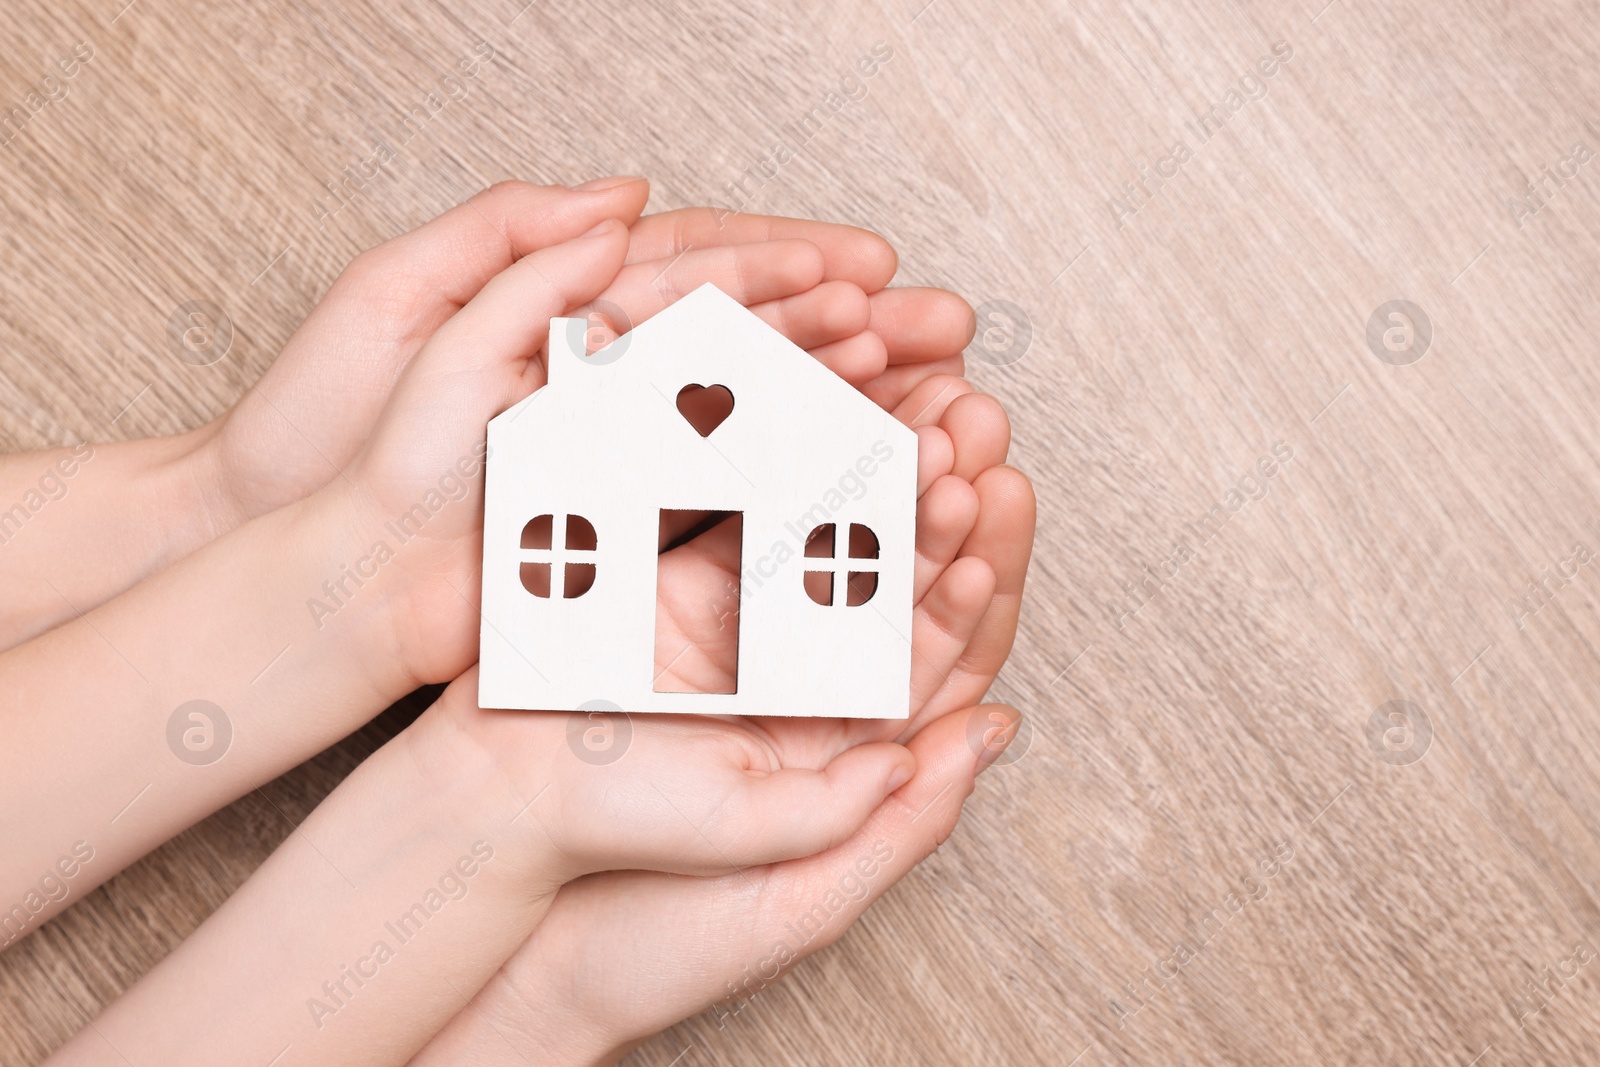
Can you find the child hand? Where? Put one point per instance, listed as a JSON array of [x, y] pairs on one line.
[[624, 954], [426, 868]]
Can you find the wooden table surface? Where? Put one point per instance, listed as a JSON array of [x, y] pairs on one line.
[[1309, 652]]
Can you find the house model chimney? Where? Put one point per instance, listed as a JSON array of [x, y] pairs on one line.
[[566, 345]]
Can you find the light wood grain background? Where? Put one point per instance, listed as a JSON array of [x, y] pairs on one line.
[[1172, 343]]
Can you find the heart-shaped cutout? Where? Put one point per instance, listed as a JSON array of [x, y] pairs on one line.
[[705, 407]]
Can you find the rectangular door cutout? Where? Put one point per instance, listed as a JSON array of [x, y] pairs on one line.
[[697, 601]]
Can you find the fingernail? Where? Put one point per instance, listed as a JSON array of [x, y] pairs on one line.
[[595, 185], [596, 231], [900, 777]]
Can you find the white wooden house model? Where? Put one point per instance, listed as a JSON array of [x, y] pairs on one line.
[[821, 480]]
